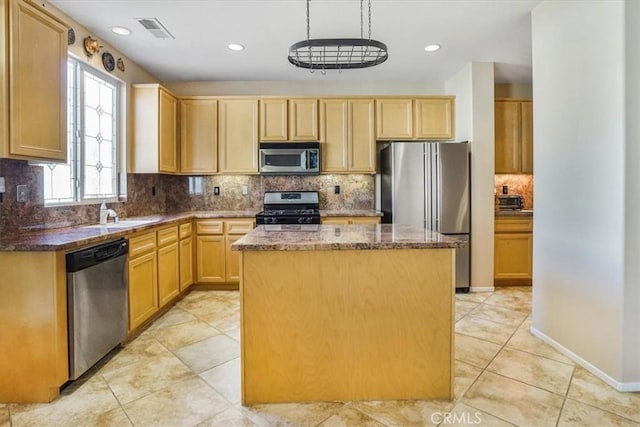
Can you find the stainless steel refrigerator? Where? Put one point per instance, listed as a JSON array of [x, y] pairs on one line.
[[427, 184]]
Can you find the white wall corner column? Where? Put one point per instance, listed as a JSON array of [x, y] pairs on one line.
[[473, 87], [586, 278]]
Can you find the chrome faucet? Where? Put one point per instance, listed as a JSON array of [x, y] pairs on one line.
[[113, 214]]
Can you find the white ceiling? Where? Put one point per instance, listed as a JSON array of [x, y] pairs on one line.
[[469, 30]]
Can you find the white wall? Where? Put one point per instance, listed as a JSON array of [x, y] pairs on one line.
[[582, 187], [473, 87], [631, 309], [297, 88]]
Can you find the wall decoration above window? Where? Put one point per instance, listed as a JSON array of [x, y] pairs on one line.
[[120, 64], [91, 46], [108, 62]]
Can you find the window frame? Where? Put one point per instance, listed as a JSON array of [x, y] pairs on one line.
[[78, 149]]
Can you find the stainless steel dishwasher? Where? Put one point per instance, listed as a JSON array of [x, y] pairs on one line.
[[96, 303]]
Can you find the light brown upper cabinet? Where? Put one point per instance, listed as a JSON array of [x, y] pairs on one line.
[[154, 130], [418, 119], [347, 135], [289, 119], [273, 120], [513, 136], [238, 136], [433, 118], [303, 119], [199, 136], [33, 83]]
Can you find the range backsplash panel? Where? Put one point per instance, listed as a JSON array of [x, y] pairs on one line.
[[150, 194]]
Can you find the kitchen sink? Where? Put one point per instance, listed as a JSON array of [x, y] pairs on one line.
[[124, 223]]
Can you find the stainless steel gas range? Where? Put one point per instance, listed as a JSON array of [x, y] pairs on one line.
[[290, 207]]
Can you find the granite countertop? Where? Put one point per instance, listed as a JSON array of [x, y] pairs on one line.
[[522, 212], [56, 239], [68, 238], [342, 237]]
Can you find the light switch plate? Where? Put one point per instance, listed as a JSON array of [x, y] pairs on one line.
[[245, 190], [2, 187], [22, 193]]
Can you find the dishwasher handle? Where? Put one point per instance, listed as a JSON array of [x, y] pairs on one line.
[[85, 258]]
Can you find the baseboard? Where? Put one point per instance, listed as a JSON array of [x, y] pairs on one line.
[[620, 386], [481, 289]]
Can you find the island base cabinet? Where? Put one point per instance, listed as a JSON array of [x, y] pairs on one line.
[[375, 326], [33, 314]]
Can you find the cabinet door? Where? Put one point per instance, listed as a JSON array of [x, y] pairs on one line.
[[507, 136], [513, 256], [210, 259], [199, 136], [394, 118], [334, 135], [143, 288], [168, 273], [232, 260], [362, 141], [167, 132], [186, 263], [365, 220], [526, 136], [273, 120], [303, 119], [433, 118], [37, 84], [238, 136], [337, 220]]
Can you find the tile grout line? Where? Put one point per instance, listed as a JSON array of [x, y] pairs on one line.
[[566, 394]]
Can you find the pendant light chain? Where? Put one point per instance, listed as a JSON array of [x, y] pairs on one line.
[[369, 20], [308, 26]]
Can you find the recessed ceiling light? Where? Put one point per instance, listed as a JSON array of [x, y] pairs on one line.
[[432, 47], [235, 46], [121, 31]]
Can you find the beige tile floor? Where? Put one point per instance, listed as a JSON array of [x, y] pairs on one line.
[[184, 370]]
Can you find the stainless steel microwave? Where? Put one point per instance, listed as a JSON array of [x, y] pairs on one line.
[[290, 158]]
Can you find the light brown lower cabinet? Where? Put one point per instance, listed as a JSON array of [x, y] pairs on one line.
[[350, 220], [186, 255], [168, 267], [513, 250], [157, 273], [216, 262]]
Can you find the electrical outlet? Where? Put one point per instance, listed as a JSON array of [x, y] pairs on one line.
[[22, 193], [2, 187], [336, 189], [216, 191], [153, 190], [245, 190]]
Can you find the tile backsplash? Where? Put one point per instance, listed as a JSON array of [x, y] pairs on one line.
[[149, 194], [518, 184]]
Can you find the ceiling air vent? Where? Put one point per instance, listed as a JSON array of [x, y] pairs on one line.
[[155, 27]]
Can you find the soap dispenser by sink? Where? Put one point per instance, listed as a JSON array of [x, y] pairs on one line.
[[104, 213]]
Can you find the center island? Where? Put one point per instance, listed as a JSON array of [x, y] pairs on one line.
[[346, 312]]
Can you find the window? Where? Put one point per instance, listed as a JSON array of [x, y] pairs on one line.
[[90, 173]]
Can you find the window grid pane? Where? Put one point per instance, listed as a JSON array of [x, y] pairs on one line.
[[91, 169], [99, 137]]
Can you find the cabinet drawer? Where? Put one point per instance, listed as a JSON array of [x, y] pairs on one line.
[[142, 243], [185, 230], [239, 226], [209, 227], [167, 235], [514, 225]]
